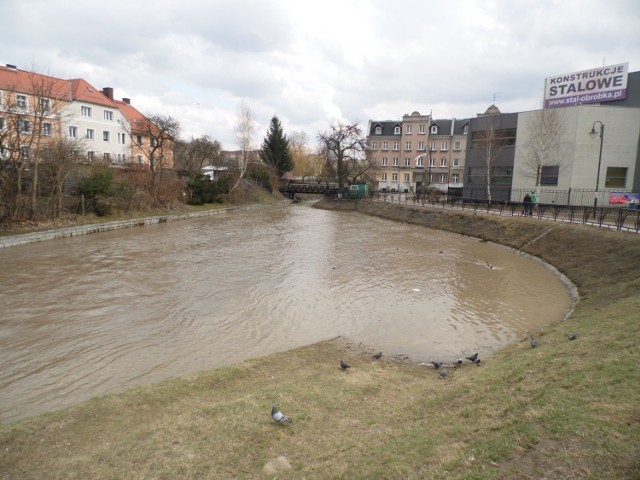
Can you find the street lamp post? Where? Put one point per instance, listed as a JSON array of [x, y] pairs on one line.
[[593, 132]]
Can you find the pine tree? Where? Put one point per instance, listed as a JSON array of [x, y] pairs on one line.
[[275, 148]]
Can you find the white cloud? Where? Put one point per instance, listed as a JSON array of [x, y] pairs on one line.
[[312, 62]]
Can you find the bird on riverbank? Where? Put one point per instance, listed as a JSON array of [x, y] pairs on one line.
[[476, 362], [444, 374], [534, 342], [459, 362], [436, 365], [278, 416], [377, 356], [344, 365], [572, 336], [472, 357]]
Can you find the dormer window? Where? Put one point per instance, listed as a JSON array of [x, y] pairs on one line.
[[378, 130], [434, 129], [396, 130], [466, 129]]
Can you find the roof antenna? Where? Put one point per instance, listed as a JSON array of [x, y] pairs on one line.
[[603, 60], [494, 98]]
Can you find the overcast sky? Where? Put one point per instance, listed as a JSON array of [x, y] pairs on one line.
[[311, 62]]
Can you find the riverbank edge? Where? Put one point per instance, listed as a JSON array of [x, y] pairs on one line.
[[539, 421], [86, 229]]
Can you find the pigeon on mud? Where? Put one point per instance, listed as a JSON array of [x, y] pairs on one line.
[[572, 336], [459, 362], [436, 365], [278, 416], [534, 342], [344, 365], [377, 356], [472, 357], [476, 361], [444, 373]]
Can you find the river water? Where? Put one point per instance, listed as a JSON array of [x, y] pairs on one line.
[[101, 313]]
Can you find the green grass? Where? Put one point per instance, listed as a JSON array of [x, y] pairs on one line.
[[567, 409]]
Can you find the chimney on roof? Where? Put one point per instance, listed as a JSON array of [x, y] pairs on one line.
[[127, 101], [12, 66], [108, 92]]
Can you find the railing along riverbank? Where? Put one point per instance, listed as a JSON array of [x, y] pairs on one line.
[[613, 218], [42, 235]]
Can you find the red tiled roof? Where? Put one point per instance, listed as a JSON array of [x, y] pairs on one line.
[[32, 83]]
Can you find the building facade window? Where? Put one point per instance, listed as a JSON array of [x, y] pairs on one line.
[[108, 115], [105, 135], [378, 130], [85, 111], [443, 178], [444, 146], [455, 178], [396, 161], [419, 162], [73, 132], [25, 152], [1, 124], [407, 145], [91, 155], [434, 129], [421, 146], [90, 134], [549, 175], [385, 145], [139, 158], [45, 105], [384, 176], [432, 162], [396, 130], [107, 157], [457, 145], [407, 162], [394, 177], [21, 101], [443, 162], [384, 161], [432, 146], [409, 129], [396, 145], [24, 126], [616, 177], [374, 145], [421, 129], [456, 162], [139, 140], [47, 129], [121, 138], [406, 178]]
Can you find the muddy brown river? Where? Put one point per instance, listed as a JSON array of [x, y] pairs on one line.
[[97, 314]]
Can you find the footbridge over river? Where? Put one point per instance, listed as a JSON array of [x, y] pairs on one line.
[[292, 188]]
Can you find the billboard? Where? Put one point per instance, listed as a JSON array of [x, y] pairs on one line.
[[602, 84]]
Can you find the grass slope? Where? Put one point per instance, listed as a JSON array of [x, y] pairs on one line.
[[565, 410]]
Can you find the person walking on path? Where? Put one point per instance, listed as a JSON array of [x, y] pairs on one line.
[[527, 206]]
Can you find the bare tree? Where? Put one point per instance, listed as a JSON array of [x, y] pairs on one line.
[[60, 160], [245, 126], [30, 122], [345, 146], [197, 153], [543, 148]]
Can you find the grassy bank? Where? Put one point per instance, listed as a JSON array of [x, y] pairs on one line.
[[567, 409]]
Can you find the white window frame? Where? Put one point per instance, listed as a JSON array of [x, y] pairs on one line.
[[421, 146], [73, 131], [443, 162], [22, 101], [47, 129], [409, 129], [385, 145], [122, 139], [45, 105], [432, 146], [91, 134], [394, 177], [107, 157], [434, 129], [385, 161], [85, 111], [421, 128], [406, 178], [396, 145], [443, 178], [396, 131], [419, 162], [108, 115], [396, 162], [24, 126], [456, 162], [378, 131], [139, 158], [444, 146], [457, 145], [384, 176], [106, 136], [25, 152], [432, 162], [374, 145], [407, 145], [91, 155], [455, 178], [465, 130], [407, 161]]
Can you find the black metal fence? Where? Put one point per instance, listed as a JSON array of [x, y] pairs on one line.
[[618, 218]]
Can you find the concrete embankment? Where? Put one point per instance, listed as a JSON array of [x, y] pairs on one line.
[[39, 236]]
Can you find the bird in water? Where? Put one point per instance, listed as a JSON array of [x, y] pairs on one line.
[[534, 342], [472, 357], [377, 356], [444, 374], [436, 365], [344, 365], [278, 416], [572, 336]]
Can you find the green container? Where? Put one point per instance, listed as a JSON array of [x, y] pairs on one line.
[[359, 190]]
